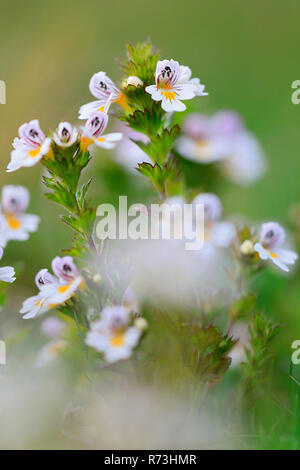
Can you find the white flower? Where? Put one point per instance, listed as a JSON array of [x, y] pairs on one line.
[[49, 352], [53, 290], [15, 224], [7, 274], [52, 327], [93, 129], [30, 147], [223, 139], [103, 88], [269, 246], [66, 135], [113, 335], [246, 162], [216, 233], [173, 84]]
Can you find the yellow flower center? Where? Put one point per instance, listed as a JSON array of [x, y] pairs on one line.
[[117, 340], [85, 143], [63, 289], [13, 222], [122, 101], [273, 255], [35, 152]]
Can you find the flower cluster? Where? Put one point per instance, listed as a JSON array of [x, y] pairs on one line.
[[152, 91], [32, 145], [53, 290]]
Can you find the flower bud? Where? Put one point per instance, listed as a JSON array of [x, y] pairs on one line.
[[97, 278], [247, 248], [133, 80], [141, 324]]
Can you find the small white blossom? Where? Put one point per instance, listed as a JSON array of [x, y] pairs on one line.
[[92, 132], [103, 88], [15, 224], [173, 83], [53, 290], [30, 147], [52, 327], [112, 334], [216, 233], [224, 140], [7, 274], [66, 135], [49, 352], [271, 238]]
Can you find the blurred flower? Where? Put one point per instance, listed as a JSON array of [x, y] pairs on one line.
[[53, 290], [172, 84], [66, 135], [130, 301], [103, 88], [216, 233], [92, 132], [52, 327], [246, 162], [7, 274], [271, 238], [128, 153], [223, 138], [30, 147], [113, 335], [49, 352], [15, 224]]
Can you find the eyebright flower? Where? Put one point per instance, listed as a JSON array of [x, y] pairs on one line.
[[93, 129], [216, 233], [173, 83], [14, 223], [113, 334], [7, 274], [271, 238], [30, 147], [66, 135], [223, 138], [49, 352], [53, 290], [52, 327], [103, 88]]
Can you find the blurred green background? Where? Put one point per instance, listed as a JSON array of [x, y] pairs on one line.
[[246, 53]]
